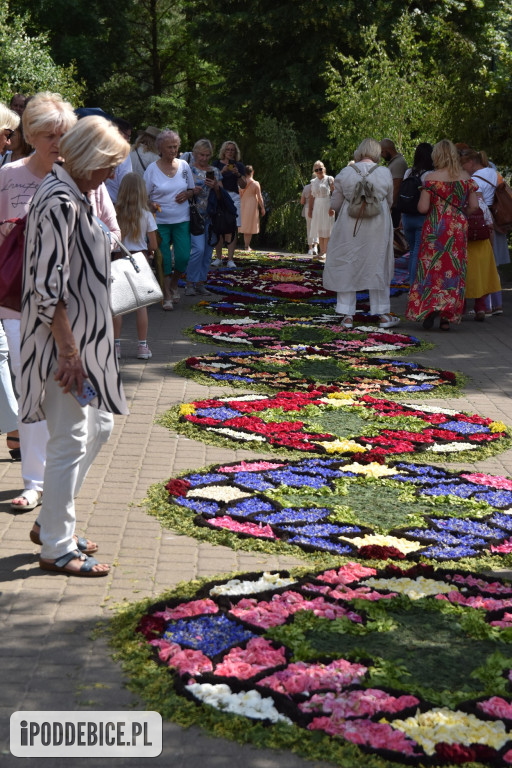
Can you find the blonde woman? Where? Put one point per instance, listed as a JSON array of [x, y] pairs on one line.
[[447, 198], [170, 186], [67, 339], [45, 120], [322, 187], [138, 233], [233, 179]]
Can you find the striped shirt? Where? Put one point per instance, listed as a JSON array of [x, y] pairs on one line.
[[67, 258]]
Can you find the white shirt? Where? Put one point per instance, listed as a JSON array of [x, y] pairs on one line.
[[163, 189]]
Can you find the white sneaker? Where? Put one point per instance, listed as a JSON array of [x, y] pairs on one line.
[[176, 295], [231, 264], [310, 252], [202, 290], [167, 306], [117, 347], [217, 263], [190, 290], [144, 352], [315, 250]]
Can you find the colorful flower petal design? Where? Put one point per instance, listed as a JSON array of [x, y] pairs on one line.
[[340, 506], [368, 427], [269, 647]]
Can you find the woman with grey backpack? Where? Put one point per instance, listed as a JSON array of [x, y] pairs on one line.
[[360, 251]]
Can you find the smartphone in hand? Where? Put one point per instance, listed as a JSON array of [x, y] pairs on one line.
[[88, 393]]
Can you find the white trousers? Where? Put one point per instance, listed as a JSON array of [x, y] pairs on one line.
[[8, 404], [76, 437], [379, 302], [33, 437]]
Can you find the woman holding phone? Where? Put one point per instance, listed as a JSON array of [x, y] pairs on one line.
[[233, 179], [69, 370], [206, 178]]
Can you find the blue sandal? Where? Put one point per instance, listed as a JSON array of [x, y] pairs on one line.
[[59, 565], [84, 545]]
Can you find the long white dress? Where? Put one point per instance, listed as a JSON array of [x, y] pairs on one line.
[[321, 222], [364, 261]]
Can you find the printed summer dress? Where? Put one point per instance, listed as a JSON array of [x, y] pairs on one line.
[[442, 259]]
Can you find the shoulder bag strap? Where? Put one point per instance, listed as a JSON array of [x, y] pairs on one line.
[[486, 180], [140, 159]]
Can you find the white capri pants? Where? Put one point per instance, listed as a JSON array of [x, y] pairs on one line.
[[76, 436]]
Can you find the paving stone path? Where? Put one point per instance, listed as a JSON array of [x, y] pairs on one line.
[[52, 656]]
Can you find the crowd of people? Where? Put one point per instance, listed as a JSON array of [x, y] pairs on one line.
[[73, 192], [74, 197], [454, 244]]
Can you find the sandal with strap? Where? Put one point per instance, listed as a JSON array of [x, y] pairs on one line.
[[84, 545], [86, 570], [32, 497], [388, 321], [347, 323]]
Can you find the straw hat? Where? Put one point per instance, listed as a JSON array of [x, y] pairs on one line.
[[151, 131]]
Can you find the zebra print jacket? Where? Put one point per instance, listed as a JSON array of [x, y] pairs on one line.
[[67, 258]]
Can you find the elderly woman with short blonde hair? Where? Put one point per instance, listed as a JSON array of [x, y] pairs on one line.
[[170, 186], [206, 178], [70, 375], [45, 120], [360, 253]]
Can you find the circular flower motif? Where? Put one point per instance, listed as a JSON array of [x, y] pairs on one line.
[[411, 697]]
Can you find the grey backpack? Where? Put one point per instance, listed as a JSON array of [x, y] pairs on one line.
[[364, 203]]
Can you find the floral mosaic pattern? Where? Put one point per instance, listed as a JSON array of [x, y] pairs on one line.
[[398, 510], [308, 653], [276, 283], [333, 364], [320, 333], [371, 428]]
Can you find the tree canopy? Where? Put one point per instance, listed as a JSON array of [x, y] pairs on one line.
[[290, 81]]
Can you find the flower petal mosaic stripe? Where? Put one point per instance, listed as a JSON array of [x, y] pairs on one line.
[[343, 507], [371, 427], [306, 367], [344, 652], [320, 333], [276, 283]]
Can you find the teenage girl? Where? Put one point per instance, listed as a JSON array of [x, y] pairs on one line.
[[138, 233]]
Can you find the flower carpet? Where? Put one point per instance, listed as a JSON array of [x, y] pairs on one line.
[[321, 333], [343, 507], [307, 367], [322, 421], [404, 656], [348, 663], [299, 281]]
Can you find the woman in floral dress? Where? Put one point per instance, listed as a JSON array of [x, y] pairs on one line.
[[447, 198]]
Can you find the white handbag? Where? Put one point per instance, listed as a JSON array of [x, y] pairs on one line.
[[133, 283]]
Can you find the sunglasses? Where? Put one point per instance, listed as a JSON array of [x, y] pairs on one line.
[[318, 170]]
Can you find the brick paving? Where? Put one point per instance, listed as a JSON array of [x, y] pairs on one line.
[[52, 656]]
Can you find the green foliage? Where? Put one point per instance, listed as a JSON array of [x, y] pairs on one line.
[[379, 95], [276, 157], [27, 65], [89, 33]]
